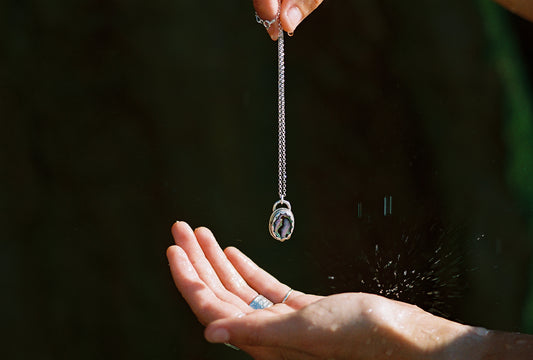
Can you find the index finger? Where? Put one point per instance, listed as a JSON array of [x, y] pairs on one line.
[[260, 280], [200, 297], [268, 10]]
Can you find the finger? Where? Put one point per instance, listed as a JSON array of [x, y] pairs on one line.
[[272, 334], [185, 238], [294, 11], [260, 280], [260, 328], [203, 302], [275, 353], [268, 10], [230, 277], [267, 334]]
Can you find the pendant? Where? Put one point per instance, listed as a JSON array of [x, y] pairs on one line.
[[281, 224]]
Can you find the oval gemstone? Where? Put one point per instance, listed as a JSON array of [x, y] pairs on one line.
[[281, 224]]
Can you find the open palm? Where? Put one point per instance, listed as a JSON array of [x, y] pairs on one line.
[[221, 284]]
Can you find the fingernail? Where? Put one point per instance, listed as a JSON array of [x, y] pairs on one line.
[[183, 223], [218, 336], [295, 16]]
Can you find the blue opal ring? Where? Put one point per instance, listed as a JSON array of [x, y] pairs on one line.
[[260, 302]]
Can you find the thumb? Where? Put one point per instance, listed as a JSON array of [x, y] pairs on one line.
[[294, 11], [260, 328]]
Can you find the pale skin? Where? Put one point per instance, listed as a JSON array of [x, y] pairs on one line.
[[218, 286]]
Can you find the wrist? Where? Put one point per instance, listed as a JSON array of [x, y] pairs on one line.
[[498, 345], [428, 337], [475, 343], [463, 342]]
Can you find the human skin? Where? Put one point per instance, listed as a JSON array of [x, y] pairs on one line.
[[293, 12], [218, 286], [522, 8]]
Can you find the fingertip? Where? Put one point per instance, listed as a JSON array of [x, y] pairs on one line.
[[235, 253], [215, 334], [232, 252], [292, 18], [170, 250], [180, 227], [174, 224], [203, 229], [231, 249], [173, 251]]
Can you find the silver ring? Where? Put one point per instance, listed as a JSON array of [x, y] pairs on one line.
[[260, 302], [287, 296]]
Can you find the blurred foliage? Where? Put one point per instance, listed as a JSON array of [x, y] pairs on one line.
[[120, 117], [518, 120]]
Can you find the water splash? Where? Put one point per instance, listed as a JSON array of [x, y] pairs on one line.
[[422, 265]]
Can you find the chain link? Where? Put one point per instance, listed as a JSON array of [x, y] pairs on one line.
[[265, 23], [282, 157]]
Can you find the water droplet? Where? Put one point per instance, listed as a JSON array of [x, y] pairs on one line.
[[331, 277]]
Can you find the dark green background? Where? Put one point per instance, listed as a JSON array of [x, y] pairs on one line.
[[120, 117]]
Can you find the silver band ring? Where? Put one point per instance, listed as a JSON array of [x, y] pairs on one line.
[[287, 296], [260, 302]]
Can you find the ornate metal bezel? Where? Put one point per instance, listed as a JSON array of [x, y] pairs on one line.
[[281, 224]]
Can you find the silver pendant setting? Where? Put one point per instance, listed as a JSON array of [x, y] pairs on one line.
[[281, 224]]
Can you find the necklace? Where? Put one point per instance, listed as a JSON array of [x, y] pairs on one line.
[[281, 223]]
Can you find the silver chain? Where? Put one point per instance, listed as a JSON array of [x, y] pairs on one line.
[[282, 157], [281, 223]]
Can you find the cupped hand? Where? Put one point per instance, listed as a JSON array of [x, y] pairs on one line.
[[349, 326], [292, 13], [220, 285]]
